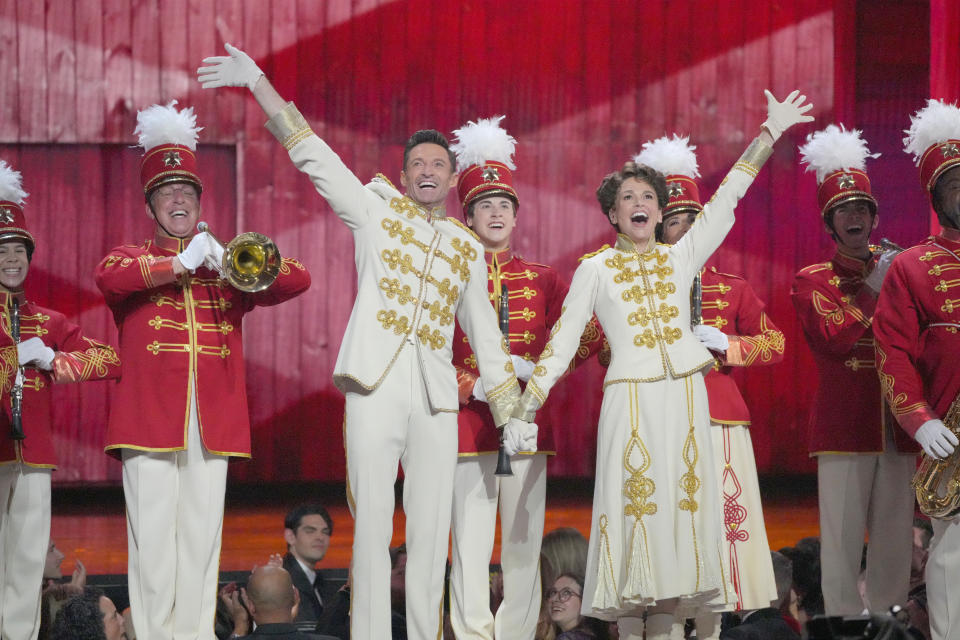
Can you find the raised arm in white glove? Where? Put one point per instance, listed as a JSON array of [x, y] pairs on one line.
[[33, 351], [783, 115], [522, 367], [199, 250], [235, 70], [711, 337], [937, 441], [875, 279]]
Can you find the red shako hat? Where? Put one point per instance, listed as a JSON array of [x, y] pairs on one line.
[[485, 157], [839, 158]]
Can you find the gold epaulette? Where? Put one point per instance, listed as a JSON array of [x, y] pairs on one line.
[[587, 256], [464, 227], [387, 180]]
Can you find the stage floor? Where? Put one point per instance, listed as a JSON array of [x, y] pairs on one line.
[[90, 524]]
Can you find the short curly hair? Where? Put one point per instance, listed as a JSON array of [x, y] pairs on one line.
[[610, 186], [80, 617]]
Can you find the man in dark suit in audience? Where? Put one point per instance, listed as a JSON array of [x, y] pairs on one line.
[[768, 623], [307, 531]]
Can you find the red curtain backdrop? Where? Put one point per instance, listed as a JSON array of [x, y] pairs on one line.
[[582, 84]]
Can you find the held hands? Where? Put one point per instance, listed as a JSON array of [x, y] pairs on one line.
[[783, 115], [522, 367], [235, 70], [33, 351], [711, 337], [875, 279], [519, 436], [937, 441]]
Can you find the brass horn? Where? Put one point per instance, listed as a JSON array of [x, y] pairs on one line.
[[250, 262]]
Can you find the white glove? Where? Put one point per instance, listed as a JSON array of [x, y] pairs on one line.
[[512, 437], [199, 249], [33, 351], [235, 70], [711, 337], [214, 258], [529, 437], [522, 367], [783, 115], [478, 393], [937, 441], [875, 279]]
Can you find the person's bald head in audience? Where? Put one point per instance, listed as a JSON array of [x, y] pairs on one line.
[[270, 596]]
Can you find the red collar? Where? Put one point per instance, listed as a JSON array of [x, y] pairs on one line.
[[501, 257], [7, 296], [949, 237], [853, 264], [169, 243]]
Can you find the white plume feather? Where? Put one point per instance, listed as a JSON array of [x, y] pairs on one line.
[[835, 148], [163, 124], [936, 122], [482, 141], [670, 156], [11, 184]]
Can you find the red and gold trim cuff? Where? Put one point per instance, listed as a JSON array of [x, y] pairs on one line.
[[912, 421]]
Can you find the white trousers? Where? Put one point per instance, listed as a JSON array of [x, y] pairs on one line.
[[174, 525], [394, 424], [24, 538], [857, 494], [522, 498], [943, 576]]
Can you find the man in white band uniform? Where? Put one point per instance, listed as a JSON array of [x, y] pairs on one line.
[[417, 269]]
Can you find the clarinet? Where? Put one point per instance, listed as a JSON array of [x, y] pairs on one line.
[[696, 301], [16, 393], [503, 460]]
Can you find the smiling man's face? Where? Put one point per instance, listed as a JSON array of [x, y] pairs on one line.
[[176, 207], [14, 264], [852, 223], [429, 175], [493, 219]]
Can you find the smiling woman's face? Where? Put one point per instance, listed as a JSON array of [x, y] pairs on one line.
[[636, 211]]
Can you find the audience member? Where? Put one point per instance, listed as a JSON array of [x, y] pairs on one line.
[[769, 623], [272, 601], [563, 600], [90, 615], [805, 557], [55, 592], [564, 550], [922, 534], [307, 530]]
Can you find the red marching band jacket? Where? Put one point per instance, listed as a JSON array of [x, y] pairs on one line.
[[535, 299], [917, 326], [836, 310], [729, 304], [173, 331], [77, 358]]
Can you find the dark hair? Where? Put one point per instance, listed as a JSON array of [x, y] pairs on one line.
[[431, 136], [295, 516], [80, 617], [496, 194], [610, 186]]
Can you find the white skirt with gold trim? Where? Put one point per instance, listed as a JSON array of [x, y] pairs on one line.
[[656, 530], [745, 546]]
